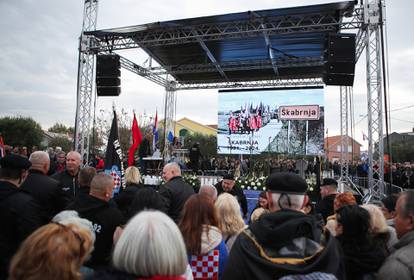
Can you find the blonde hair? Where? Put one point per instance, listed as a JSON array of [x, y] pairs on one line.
[[54, 251], [230, 219], [378, 223], [132, 175]]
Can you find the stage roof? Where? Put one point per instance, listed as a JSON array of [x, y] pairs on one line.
[[248, 46]]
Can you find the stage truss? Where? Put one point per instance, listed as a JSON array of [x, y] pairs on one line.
[[365, 19]]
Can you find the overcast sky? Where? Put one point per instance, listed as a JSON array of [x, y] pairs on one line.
[[39, 60]]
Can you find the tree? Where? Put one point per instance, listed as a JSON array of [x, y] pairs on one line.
[[21, 131], [61, 128]]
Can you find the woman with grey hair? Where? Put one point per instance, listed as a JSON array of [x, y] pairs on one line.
[[150, 247]]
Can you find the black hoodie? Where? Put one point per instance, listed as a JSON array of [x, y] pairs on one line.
[[105, 217], [20, 215], [283, 243]]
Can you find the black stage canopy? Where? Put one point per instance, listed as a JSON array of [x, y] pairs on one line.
[[248, 46]]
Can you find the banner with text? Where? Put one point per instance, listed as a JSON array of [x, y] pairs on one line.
[[288, 121]]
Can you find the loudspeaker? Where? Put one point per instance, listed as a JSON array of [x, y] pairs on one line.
[[338, 79], [339, 59], [108, 72], [108, 91]]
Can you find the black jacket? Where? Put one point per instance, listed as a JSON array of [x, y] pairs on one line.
[[262, 250], [175, 193], [68, 183], [235, 191], [46, 191], [362, 260], [125, 198], [105, 217], [20, 215], [325, 206]]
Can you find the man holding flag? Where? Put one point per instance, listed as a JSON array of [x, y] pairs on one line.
[[113, 159]]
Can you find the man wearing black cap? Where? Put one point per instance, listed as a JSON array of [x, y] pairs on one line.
[[285, 241], [19, 213], [228, 185], [329, 191]]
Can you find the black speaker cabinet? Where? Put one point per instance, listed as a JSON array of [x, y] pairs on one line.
[[108, 73], [339, 59]]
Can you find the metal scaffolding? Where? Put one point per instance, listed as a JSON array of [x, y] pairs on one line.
[[363, 18], [86, 67], [374, 58], [344, 132]]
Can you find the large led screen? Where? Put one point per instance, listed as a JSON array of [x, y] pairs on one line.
[[288, 121]]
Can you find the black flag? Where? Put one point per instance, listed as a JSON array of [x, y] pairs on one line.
[[113, 159]]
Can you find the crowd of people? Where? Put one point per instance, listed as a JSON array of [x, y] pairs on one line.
[[69, 225]]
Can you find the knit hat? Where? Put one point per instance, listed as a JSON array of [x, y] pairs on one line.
[[286, 182], [329, 182], [228, 177], [13, 161]]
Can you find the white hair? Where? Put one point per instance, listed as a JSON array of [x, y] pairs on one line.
[[174, 167], [282, 201], [150, 245], [39, 159], [68, 217]]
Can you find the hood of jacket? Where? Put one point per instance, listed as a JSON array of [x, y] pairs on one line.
[[275, 230], [210, 238], [86, 203]]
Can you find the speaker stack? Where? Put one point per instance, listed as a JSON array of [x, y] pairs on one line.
[[108, 73], [339, 60]]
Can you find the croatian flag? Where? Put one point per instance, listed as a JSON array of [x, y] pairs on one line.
[[155, 132]]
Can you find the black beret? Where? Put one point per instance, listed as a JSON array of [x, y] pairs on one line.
[[329, 182], [228, 177], [13, 161], [286, 182]]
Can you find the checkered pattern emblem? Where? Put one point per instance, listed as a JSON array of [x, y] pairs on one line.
[[116, 178], [205, 266]]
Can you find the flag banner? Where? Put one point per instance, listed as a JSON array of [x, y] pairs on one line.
[[136, 140], [170, 136], [113, 159], [364, 137], [155, 132], [2, 150]]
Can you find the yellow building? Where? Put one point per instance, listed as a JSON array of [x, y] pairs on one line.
[[186, 126]]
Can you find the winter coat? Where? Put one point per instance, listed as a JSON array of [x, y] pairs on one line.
[[285, 242], [69, 185], [400, 264], [105, 217], [175, 193], [20, 216], [237, 192], [211, 240], [363, 261], [46, 191], [125, 198], [325, 206]]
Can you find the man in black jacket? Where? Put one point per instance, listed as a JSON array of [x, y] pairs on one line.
[[329, 191], [104, 216], [68, 178], [285, 241], [175, 191], [45, 190], [19, 213], [228, 185]]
